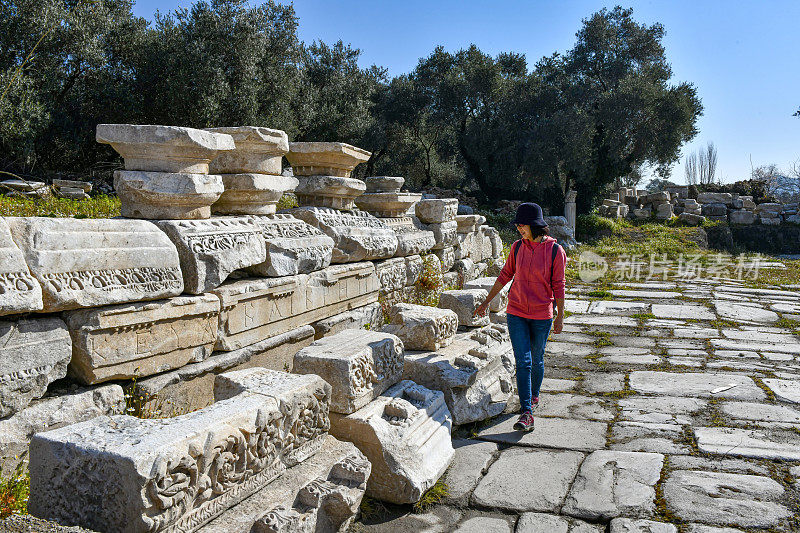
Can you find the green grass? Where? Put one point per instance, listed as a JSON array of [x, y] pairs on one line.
[[432, 496], [100, 206], [14, 492]]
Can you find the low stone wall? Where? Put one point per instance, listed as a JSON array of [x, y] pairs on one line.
[[783, 239]]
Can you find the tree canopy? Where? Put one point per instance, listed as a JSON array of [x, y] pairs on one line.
[[495, 126]]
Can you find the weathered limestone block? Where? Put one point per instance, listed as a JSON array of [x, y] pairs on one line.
[[20, 291], [499, 302], [121, 473], [691, 219], [34, 352], [359, 365], [405, 434], [164, 148], [467, 270], [412, 239], [437, 210], [209, 250], [88, 263], [293, 247], [325, 158], [664, 211], [162, 195], [357, 236], [464, 302], [51, 413], [470, 223], [142, 338], [475, 372], [392, 273], [741, 216], [328, 191], [414, 266], [256, 309], [387, 204], [366, 317], [421, 327], [714, 209], [320, 495], [444, 234], [714, 198], [252, 194], [447, 256], [384, 183], [258, 150]]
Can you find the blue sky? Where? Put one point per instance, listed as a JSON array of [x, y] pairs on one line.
[[744, 57]]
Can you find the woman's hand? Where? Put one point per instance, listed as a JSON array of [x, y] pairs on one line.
[[558, 324], [481, 309]]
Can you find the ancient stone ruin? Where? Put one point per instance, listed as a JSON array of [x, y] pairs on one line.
[[278, 390]]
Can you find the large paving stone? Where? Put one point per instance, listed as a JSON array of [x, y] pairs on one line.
[[549, 523], [761, 412], [482, 524], [559, 433], [662, 410], [725, 499], [786, 390], [598, 320], [626, 525], [612, 307], [603, 382], [696, 312], [698, 384], [573, 406], [747, 345], [471, 458], [528, 492], [748, 443], [745, 313], [613, 483], [34, 352], [648, 437], [700, 528], [88, 263]]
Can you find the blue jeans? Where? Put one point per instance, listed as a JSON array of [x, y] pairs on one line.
[[528, 338]]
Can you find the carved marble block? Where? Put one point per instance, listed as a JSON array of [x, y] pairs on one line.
[[392, 274], [357, 236], [19, 291], [126, 474], [437, 210], [161, 195], [387, 204], [164, 148], [469, 223], [34, 352], [405, 434], [475, 372], [143, 338], [499, 302], [89, 263], [258, 150], [256, 309], [325, 158], [320, 495], [414, 266], [359, 364], [210, 250], [444, 234], [421, 327], [336, 192], [447, 256], [464, 302], [412, 237], [384, 183], [293, 247], [252, 194]]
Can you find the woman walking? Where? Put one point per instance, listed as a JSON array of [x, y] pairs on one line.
[[537, 265]]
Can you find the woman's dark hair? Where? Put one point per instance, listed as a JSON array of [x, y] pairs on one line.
[[536, 232]]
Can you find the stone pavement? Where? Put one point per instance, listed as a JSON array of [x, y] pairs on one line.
[[668, 407]]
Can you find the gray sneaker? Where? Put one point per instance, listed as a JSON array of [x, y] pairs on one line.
[[525, 422]]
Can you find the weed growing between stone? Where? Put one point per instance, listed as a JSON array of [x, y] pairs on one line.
[[788, 323], [432, 496], [14, 491], [100, 206], [372, 509]]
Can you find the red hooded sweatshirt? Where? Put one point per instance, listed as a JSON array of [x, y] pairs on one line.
[[532, 292]]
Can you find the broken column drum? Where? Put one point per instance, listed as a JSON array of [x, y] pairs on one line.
[[323, 170], [166, 169], [251, 172], [384, 199]]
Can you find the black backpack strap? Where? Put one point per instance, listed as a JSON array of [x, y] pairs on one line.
[[515, 249], [553, 261]]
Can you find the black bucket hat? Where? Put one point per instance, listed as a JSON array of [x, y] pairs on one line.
[[530, 214]]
